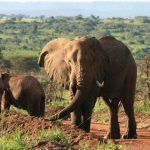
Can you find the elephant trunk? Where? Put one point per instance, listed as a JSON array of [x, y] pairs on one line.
[[80, 96], [77, 101]]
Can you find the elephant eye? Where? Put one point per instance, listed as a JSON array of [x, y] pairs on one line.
[[69, 61]]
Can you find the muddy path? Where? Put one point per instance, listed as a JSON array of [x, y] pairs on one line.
[[141, 143], [33, 125]]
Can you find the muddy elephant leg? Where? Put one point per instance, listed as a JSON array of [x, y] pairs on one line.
[[87, 108], [114, 129], [129, 110]]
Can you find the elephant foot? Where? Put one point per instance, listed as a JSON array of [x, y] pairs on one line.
[[130, 136], [75, 126], [112, 136]]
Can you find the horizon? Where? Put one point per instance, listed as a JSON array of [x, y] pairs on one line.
[[68, 1], [103, 9]]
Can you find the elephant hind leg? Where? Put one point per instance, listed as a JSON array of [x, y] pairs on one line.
[[129, 110], [128, 104], [114, 129]]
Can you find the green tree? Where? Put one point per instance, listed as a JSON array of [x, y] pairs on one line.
[[34, 28]]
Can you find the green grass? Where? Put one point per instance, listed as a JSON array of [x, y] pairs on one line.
[[112, 146], [109, 146], [16, 141], [18, 111], [104, 118], [14, 110], [56, 103], [64, 102], [139, 106], [5, 36], [19, 53], [55, 134], [100, 106], [142, 106], [13, 141]]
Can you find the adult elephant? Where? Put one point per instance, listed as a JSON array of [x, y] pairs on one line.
[[90, 68]]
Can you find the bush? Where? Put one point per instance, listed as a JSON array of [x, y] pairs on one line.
[[24, 64]]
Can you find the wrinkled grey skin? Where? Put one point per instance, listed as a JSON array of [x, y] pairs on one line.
[[23, 92], [93, 68]]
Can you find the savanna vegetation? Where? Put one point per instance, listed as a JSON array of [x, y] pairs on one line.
[[22, 38]]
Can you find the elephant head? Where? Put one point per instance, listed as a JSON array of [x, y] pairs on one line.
[[3, 89], [75, 64], [3, 82]]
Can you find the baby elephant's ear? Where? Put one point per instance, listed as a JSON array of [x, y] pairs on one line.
[[52, 58]]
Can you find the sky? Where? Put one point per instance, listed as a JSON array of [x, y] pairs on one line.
[[123, 8], [72, 0]]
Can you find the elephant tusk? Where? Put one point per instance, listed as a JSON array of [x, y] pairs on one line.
[[99, 84], [71, 84]]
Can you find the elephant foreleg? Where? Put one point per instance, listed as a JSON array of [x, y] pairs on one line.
[[114, 129], [76, 118], [76, 115], [87, 108]]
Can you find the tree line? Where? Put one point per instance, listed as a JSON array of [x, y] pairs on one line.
[[22, 38]]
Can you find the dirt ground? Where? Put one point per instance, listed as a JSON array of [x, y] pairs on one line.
[[32, 125]]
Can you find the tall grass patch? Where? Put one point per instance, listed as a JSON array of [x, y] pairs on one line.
[[142, 106], [12, 141], [55, 134]]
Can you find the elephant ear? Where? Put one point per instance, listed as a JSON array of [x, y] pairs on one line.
[[52, 58]]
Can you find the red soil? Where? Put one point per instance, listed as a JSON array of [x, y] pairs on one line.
[[32, 125]]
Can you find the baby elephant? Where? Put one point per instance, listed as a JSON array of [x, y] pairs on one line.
[[23, 92]]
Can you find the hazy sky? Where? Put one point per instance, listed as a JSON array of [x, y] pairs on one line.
[[72, 0], [103, 10]]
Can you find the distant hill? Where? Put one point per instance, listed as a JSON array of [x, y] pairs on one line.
[[101, 9]]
